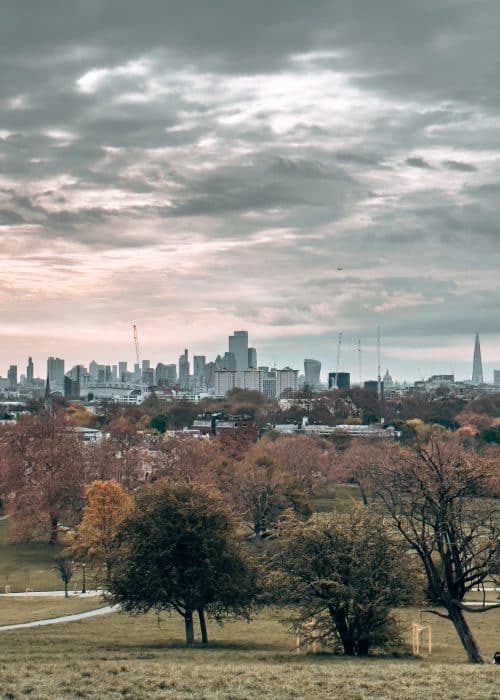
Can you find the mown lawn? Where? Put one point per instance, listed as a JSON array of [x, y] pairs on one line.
[[117, 656], [16, 610]]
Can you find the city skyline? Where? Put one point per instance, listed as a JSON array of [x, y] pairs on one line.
[[200, 167], [349, 361]]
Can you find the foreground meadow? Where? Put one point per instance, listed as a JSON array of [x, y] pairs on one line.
[[121, 657]]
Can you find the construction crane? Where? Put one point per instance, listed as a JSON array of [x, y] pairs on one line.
[[136, 342], [337, 367]]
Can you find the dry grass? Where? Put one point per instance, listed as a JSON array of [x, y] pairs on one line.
[[16, 610], [117, 656]]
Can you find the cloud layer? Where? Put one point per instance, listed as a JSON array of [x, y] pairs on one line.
[[197, 167]]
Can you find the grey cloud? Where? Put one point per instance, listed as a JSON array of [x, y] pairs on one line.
[[458, 165], [417, 162]]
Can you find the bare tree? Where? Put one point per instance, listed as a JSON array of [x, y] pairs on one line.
[[42, 474], [65, 568], [435, 495]]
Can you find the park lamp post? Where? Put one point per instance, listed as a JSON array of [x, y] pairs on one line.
[[84, 582]]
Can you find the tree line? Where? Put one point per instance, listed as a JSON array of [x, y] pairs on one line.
[[223, 529]]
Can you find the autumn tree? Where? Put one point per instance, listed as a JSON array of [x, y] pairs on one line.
[[41, 467], [178, 551], [107, 504], [340, 576], [436, 496], [305, 460], [260, 491]]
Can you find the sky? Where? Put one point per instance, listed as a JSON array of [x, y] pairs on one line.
[[294, 169]]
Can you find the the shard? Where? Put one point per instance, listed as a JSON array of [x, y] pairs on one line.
[[477, 365]]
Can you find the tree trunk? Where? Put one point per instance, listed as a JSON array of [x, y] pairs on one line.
[[203, 626], [53, 529], [463, 630], [188, 623], [343, 632], [363, 647], [66, 589]]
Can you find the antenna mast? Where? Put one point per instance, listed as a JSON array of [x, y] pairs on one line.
[[338, 361], [360, 363], [379, 378]]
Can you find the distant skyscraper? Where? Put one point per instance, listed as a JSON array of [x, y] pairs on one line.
[[252, 358], [312, 372], [12, 377], [228, 361], [122, 371], [29, 371], [496, 377], [55, 372], [184, 370], [198, 366], [238, 345], [477, 365], [340, 381]]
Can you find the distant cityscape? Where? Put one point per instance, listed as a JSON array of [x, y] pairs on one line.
[[237, 368]]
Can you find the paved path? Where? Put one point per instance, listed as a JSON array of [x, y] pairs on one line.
[[65, 618], [52, 594]]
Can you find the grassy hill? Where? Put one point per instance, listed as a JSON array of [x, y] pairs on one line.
[[117, 656]]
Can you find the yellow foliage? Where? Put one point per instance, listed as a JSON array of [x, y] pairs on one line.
[[107, 505]]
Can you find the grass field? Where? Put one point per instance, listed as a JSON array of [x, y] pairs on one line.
[[14, 610], [121, 657], [26, 565]]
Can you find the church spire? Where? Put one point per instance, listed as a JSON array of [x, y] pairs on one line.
[[477, 365]]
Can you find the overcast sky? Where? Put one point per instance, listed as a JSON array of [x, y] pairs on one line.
[[295, 169]]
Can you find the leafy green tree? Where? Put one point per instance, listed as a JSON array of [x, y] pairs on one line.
[[341, 575], [178, 551], [159, 422]]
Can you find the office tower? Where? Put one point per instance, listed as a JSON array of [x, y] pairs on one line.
[[252, 358], [184, 370], [94, 371], [108, 373], [371, 386], [219, 363], [172, 374], [71, 388], [224, 380], [114, 372], [496, 377], [148, 376], [250, 379], [287, 379], [137, 372], [238, 345], [122, 371], [228, 361], [312, 372], [342, 381], [269, 386], [477, 364], [101, 374], [198, 367], [209, 374], [29, 371], [161, 374], [12, 377], [55, 372]]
